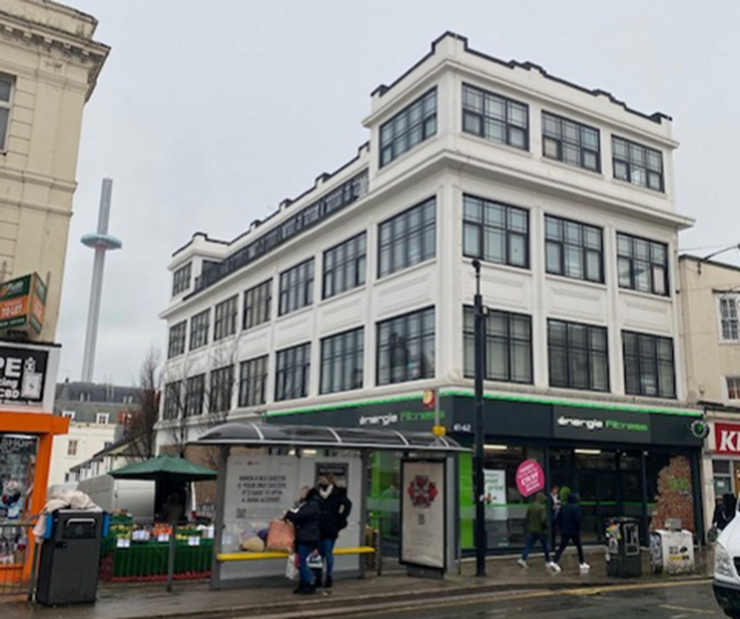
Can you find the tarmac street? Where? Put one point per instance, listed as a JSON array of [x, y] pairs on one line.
[[667, 601]]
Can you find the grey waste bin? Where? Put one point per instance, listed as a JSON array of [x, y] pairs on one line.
[[69, 557], [624, 558]]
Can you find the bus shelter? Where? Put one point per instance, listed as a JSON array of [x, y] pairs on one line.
[[263, 467]]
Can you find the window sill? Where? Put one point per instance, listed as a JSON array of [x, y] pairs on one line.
[[504, 148], [259, 327], [579, 282], [405, 271], [298, 312], [498, 266], [572, 168], [344, 294], [646, 190], [648, 295]]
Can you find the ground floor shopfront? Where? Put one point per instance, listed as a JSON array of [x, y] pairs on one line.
[[622, 460], [721, 461]]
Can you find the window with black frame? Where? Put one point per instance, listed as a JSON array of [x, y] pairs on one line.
[[194, 392], [649, 367], [292, 372], [508, 346], [643, 264], [296, 287], [199, 327], [637, 164], [343, 361], [411, 126], [253, 382], [172, 400], [407, 239], [345, 266], [574, 250], [176, 344], [257, 304], [6, 91], [222, 388], [405, 347], [224, 319], [181, 279], [495, 232], [495, 117], [571, 142], [578, 355]]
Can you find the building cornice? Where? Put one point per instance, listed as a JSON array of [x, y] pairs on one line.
[[25, 33]]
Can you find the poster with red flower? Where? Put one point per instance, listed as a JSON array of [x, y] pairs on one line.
[[423, 513]]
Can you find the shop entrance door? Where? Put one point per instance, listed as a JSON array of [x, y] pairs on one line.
[[598, 497]]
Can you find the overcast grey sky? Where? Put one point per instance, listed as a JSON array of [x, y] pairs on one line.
[[208, 114]]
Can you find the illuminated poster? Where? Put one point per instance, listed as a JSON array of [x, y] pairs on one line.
[[423, 498]]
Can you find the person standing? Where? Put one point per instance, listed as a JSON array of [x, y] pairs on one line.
[[724, 511], [537, 526], [569, 520], [306, 519], [335, 510]]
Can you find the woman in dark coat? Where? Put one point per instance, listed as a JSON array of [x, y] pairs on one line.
[[306, 519], [569, 519], [335, 510]]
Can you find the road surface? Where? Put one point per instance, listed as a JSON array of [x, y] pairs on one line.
[[669, 601]]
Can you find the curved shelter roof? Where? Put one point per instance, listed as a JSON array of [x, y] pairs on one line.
[[324, 437]]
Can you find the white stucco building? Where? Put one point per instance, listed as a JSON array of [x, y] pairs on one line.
[[346, 304]]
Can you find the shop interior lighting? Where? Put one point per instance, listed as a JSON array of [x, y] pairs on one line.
[[496, 447], [588, 452]]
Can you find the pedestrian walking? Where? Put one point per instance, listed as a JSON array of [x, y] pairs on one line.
[[553, 508], [335, 509], [306, 518], [569, 520], [537, 526]]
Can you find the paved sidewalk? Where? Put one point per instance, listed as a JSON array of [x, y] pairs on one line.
[[197, 601]]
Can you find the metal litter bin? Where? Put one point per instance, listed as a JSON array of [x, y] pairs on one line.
[[69, 557], [623, 555]]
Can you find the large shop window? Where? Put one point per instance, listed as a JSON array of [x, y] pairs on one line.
[[506, 508], [342, 361], [495, 232], [495, 117], [409, 127], [578, 356], [17, 469], [408, 238], [296, 287], [649, 365], [643, 264], [508, 346], [406, 347], [293, 372], [345, 266], [574, 250]]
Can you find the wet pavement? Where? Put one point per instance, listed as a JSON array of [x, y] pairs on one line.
[[668, 601]]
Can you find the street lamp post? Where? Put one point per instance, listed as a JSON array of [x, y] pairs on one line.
[[481, 542]]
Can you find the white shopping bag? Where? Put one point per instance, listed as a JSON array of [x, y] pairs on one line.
[[291, 571]]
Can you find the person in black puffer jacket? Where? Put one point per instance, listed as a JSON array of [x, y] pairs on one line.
[[335, 510], [569, 519], [306, 518]]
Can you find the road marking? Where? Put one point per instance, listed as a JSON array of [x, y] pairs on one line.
[[635, 587], [684, 609]]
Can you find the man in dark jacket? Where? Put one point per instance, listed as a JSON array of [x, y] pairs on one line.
[[537, 520], [335, 510], [569, 520], [724, 512], [306, 518]]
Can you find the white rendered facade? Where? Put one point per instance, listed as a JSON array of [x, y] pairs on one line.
[[450, 164]]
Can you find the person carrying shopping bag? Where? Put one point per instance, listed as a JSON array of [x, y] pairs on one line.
[[306, 519]]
